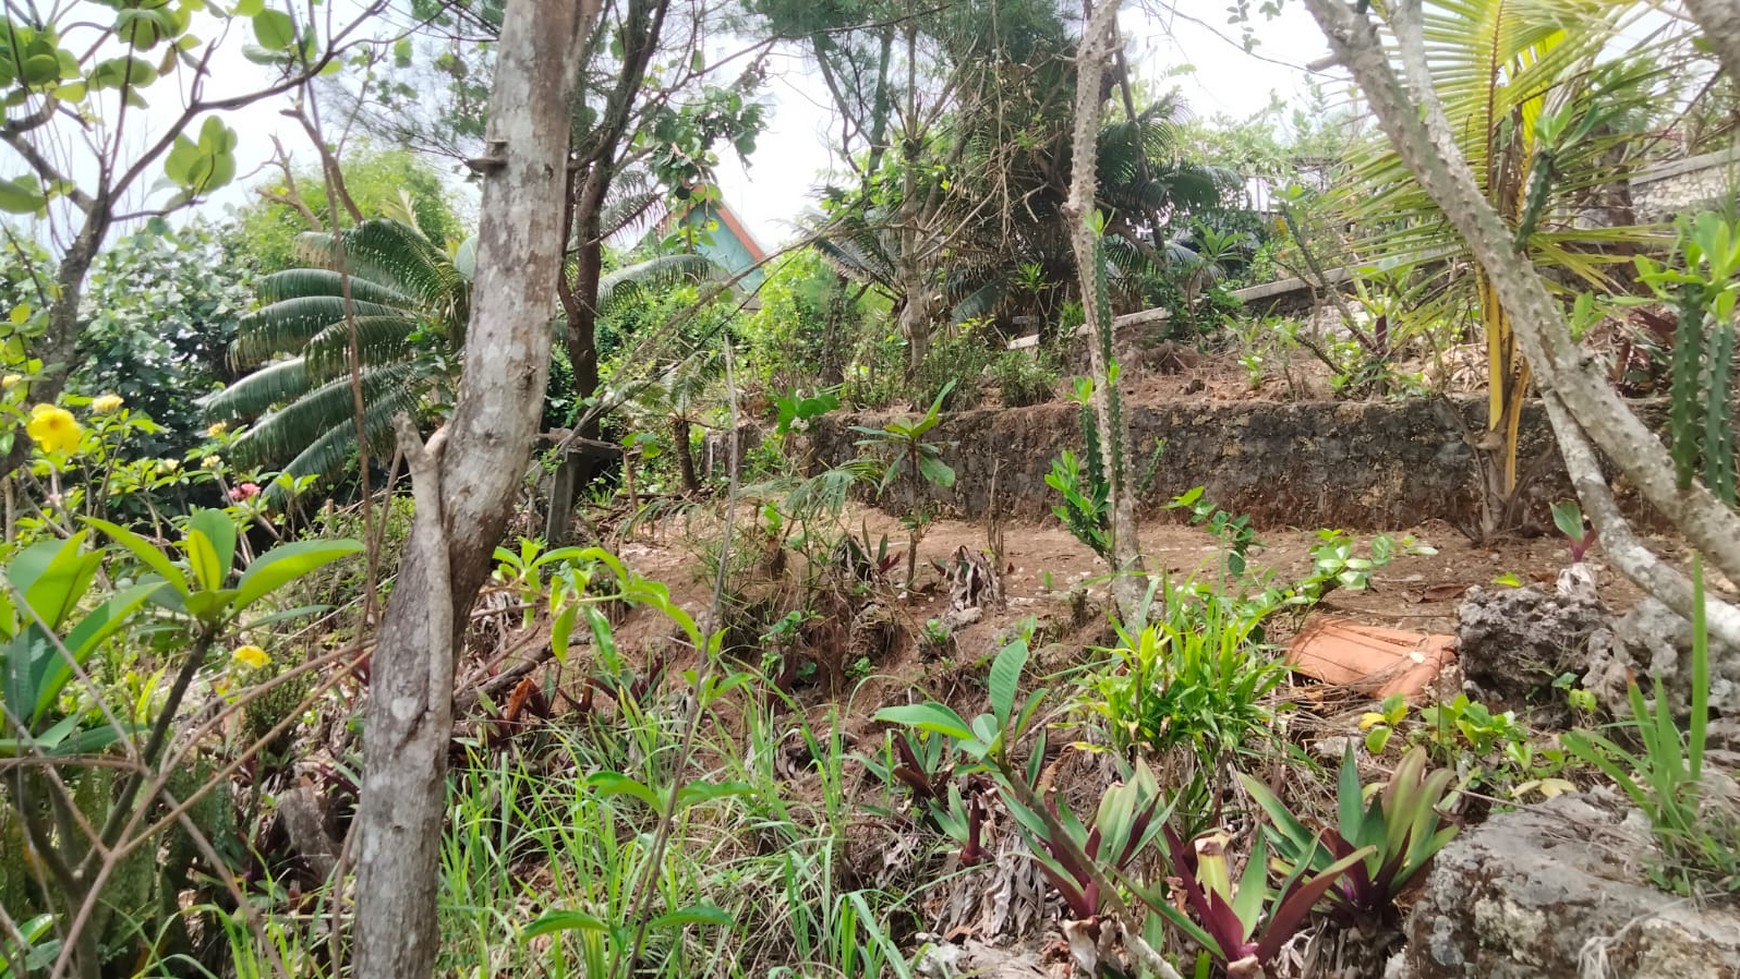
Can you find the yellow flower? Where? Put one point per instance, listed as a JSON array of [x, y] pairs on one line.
[[217, 428], [1371, 719], [10, 381], [53, 428], [213, 462], [250, 656], [104, 403], [167, 466]]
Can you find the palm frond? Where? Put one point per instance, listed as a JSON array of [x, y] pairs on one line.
[[256, 393], [288, 431], [379, 340], [284, 327]]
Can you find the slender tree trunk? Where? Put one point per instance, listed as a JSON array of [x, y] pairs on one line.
[[464, 482], [680, 428], [1094, 52]]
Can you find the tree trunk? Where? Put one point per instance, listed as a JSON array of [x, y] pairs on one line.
[[1094, 52], [580, 302], [59, 344], [464, 486], [685, 454]]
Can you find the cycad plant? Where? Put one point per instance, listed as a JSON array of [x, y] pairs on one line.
[[410, 301], [409, 304], [1549, 126]]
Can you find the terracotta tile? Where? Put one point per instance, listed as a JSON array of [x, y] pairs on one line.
[[1373, 660]]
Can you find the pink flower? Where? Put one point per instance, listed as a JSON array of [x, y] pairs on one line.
[[246, 491]]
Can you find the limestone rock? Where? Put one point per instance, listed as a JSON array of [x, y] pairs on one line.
[[1651, 641], [1514, 642], [1558, 892]]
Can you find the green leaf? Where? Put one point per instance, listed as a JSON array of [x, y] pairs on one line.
[[126, 71], [101, 623], [21, 196], [936, 471], [616, 783], [145, 551], [697, 914], [562, 632], [554, 921], [696, 793], [220, 533], [1006, 678], [286, 563], [274, 30], [927, 717]]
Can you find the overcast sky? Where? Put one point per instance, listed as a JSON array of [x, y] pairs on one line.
[[1192, 48], [1222, 79]]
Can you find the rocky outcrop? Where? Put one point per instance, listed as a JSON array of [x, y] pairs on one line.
[[1514, 642], [1652, 641], [1559, 892]]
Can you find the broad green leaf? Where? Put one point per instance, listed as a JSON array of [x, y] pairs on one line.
[[927, 717], [21, 196], [695, 793], [698, 914], [1006, 678], [102, 622], [562, 632], [220, 532], [202, 557], [286, 563], [616, 783], [274, 29], [124, 72], [145, 551], [936, 472]]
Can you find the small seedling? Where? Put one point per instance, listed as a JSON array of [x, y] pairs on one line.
[[1568, 517]]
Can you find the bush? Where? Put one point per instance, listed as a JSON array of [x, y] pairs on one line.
[[960, 356], [1024, 379]]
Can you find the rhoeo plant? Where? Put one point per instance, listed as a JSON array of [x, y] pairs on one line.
[[1400, 830], [1127, 822], [1241, 927], [1568, 517]]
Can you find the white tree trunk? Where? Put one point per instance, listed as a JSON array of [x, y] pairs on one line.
[[464, 485]]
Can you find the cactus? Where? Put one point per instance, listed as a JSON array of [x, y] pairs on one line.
[[1686, 413]]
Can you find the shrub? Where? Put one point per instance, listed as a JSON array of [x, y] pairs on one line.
[[1024, 380]]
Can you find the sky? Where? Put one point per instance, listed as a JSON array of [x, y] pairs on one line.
[[1222, 79], [1191, 48]]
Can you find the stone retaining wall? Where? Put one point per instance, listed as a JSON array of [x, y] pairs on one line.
[[1357, 465]]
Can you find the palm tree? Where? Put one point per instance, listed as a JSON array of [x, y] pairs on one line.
[[1549, 127], [409, 302]]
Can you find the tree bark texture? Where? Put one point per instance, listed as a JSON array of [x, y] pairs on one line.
[[1095, 51], [464, 485], [1561, 365]]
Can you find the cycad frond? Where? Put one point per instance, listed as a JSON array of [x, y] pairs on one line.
[[256, 393], [663, 272], [285, 326], [292, 429], [379, 340], [297, 283]]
